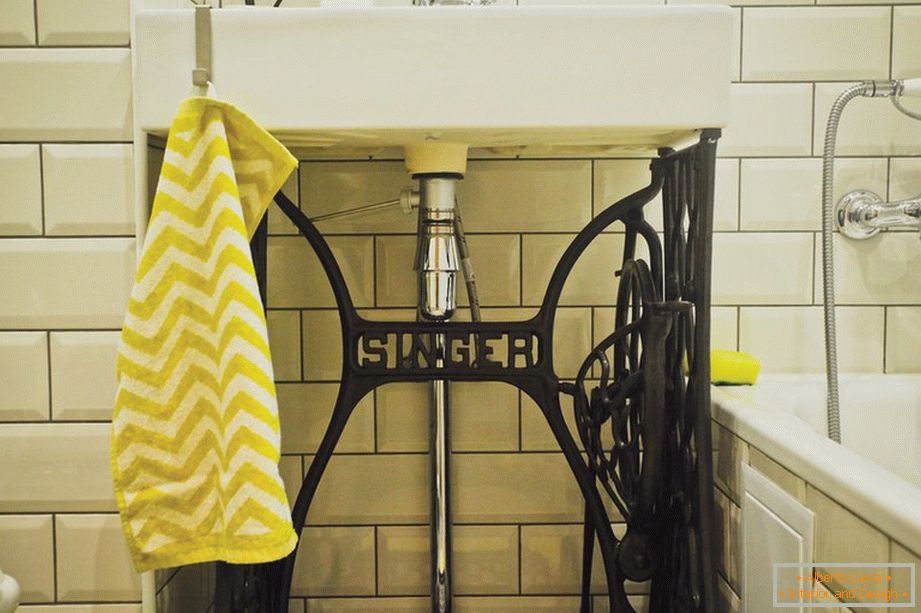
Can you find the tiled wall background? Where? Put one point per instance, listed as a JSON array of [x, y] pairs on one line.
[[67, 255]]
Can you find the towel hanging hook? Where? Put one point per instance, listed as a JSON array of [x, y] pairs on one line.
[[201, 74]]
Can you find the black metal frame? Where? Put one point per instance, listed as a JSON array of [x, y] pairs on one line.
[[657, 470]]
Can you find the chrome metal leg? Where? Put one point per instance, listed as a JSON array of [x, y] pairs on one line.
[[441, 520]]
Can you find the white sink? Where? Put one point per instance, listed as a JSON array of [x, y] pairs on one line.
[[581, 77]]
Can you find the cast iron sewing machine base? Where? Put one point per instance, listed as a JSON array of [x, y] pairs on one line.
[[644, 424]]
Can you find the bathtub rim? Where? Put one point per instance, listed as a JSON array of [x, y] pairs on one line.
[[866, 490]]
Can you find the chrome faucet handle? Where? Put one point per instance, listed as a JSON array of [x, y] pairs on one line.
[[861, 214]]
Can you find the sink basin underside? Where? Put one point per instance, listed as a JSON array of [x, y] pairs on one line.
[[512, 79]]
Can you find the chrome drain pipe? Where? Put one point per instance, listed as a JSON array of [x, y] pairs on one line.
[[437, 263]]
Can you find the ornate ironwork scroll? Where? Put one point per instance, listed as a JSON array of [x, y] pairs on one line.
[[641, 398]]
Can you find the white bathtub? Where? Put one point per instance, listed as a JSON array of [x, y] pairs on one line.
[[876, 471]]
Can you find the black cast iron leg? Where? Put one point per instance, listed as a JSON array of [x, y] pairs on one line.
[[550, 405], [350, 393], [588, 552]]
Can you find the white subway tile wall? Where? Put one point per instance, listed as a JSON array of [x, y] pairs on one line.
[[67, 258]]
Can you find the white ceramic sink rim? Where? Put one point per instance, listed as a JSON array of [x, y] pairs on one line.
[[497, 76]]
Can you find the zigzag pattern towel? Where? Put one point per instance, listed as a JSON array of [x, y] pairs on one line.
[[195, 433]]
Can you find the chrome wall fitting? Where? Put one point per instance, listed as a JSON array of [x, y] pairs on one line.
[[654, 395], [861, 214]]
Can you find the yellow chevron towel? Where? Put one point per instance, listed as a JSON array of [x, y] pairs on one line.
[[195, 432]]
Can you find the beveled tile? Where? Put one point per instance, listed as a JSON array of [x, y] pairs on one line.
[[505, 488], [297, 605], [291, 469], [92, 560], [723, 326], [536, 434], [906, 48], [512, 604], [904, 178], [551, 561], [329, 187], [615, 179], [66, 282], [369, 605], [334, 561], [639, 603], [83, 380], [278, 221], [786, 194], [23, 376], [296, 278], [790, 483], [17, 22], [55, 468], [818, 43], [322, 339], [526, 196], [83, 22], [89, 189], [769, 119], [592, 280], [20, 188], [189, 588], [483, 417], [305, 409], [66, 94], [373, 489], [730, 452], [484, 560], [792, 339], [572, 340], [762, 268], [867, 127], [902, 354], [285, 343], [879, 270], [495, 259], [28, 554]]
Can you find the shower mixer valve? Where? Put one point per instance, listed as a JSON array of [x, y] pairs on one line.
[[861, 214]]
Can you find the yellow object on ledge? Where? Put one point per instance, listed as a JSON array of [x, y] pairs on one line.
[[733, 367]]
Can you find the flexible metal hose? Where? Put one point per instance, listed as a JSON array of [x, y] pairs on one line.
[[828, 264], [473, 296]]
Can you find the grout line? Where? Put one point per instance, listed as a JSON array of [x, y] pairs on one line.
[[738, 328], [50, 386], [885, 334], [35, 20], [741, 42], [520, 565], [812, 124], [812, 274], [739, 196], [41, 182], [891, 39], [54, 555], [377, 571], [300, 338]]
